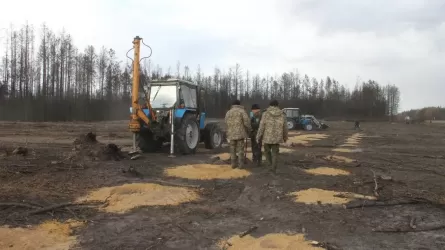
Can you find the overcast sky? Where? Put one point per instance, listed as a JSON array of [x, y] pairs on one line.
[[400, 42]]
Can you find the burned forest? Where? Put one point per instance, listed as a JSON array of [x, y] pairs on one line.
[[80, 170]]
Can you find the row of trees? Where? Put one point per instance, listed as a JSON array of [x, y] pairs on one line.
[[51, 79], [424, 114]]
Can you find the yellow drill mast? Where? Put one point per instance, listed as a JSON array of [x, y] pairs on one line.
[[137, 114]]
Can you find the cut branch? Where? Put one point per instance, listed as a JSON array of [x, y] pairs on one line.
[[248, 231], [412, 223], [376, 185]]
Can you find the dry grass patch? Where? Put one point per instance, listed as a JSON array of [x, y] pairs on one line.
[[121, 199], [305, 138], [326, 171], [268, 241], [354, 139], [348, 145], [52, 235], [320, 196], [206, 172]]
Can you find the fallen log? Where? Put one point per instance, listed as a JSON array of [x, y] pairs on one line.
[[410, 229], [17, 204], [157, 181], [371, 203], [58, 206]]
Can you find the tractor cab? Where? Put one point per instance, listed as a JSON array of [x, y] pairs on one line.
[[293, 118]]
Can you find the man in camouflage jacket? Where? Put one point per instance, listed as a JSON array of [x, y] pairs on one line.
[[272, 132], [255, 118], [238, 129]]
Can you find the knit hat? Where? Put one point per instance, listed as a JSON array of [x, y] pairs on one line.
[[255, 106]]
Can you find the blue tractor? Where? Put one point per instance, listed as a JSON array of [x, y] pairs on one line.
[[295, 120], [169, 111], [180, 100]]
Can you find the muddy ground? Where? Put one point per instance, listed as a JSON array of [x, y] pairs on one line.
[[405, 161]]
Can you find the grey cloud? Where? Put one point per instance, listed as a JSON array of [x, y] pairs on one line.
[[191, 48], [380, 16]]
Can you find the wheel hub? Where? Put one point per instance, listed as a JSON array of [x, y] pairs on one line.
[[289, 125], [216, 139]]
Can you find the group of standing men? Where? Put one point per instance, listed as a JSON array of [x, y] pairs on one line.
[[268, 128]]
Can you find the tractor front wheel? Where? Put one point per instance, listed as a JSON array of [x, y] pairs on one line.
[[213, 136], [187, 135], [146, 142], [291, 124]]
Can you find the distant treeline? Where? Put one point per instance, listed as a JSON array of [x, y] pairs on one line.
[[427, 113], [52, 80]]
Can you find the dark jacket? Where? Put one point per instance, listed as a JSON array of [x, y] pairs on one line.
[[255, 122]]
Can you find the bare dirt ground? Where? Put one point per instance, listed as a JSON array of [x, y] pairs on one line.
[[379, 188]]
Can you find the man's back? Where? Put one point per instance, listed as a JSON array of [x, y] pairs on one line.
[[237, 122], [273, 129]]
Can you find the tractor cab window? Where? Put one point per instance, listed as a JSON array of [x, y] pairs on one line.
[[292, 113], [163, 96], [189, 96]]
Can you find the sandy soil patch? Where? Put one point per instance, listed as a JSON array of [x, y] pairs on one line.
[[269, 241], [51, 235], [206, 172], [121, 199], [326, 171], [316, 196], [347, 150]]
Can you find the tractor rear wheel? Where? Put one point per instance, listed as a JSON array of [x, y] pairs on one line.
[[213, 136], [187, 135], [146, 141]]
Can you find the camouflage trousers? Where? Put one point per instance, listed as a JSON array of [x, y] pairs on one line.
[[237, 153], [271, 151], [256, 151]]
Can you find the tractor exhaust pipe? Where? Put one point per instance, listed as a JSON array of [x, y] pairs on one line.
[[172, 135]]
